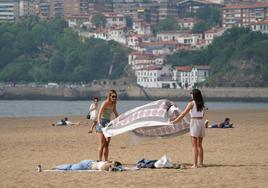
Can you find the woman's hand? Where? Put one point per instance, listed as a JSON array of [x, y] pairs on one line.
[[100, 125], [173, 122]]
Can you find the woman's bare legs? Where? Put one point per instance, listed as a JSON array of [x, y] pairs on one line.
[[93, 126], [102, 141], [200, 151], [103, 147], [195, 151], [106, 148]]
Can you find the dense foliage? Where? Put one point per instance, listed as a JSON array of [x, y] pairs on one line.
[[238, 58], [43, 51], [207, 18], [166, 24]]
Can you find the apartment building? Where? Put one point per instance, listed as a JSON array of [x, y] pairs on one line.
[[242, 15], [71, 7], [26, 8], [56, 8], [115, 19], [167, 8], [241, 1], [186, 7], [48, 8], [9, 10], [99, 5]]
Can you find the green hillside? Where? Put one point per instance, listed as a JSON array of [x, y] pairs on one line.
[[238, 58], [46, 51]]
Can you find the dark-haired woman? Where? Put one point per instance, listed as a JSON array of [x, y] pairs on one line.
[[196, 108], [107, 108]]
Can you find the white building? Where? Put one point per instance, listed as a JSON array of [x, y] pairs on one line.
[[261, 26], [115, 19], [188, 76], [182, 38], [79, 21], [156, 77], [26, 8], [190, 39], [144, 60], [211, 34], [141, 28], [187, 23], [118, 34], [9, 10]]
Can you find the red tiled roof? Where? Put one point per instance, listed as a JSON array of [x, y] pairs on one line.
[[184, 68], [138, 53], [159, 43], [246, 6], [79, 16], [262, 22], [113, 15], [214, 30]]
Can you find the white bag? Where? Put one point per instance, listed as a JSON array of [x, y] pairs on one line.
[[164, 162]]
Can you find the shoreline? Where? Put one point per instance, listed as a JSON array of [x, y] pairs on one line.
[[131, 93]]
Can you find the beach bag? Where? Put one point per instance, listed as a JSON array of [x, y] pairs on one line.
[[88, 116], [164, 162]]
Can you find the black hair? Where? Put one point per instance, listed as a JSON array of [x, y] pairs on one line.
[[95, 98], [198, 99], [226, 119]]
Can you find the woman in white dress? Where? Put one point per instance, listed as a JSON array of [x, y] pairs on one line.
[[196, 109], [93, 111]]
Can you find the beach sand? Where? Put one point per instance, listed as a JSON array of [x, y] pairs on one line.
[[236, 157]]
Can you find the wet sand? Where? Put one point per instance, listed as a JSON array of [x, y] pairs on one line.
[[234, 157]]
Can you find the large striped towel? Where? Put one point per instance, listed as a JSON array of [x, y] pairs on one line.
[[150, 120]]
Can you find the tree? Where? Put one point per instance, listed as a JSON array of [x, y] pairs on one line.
[[99, 20], [167, 24], [200, 27]]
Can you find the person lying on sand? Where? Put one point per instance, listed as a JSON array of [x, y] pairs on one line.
[[92, 165], [65, 122], [225, 124], [88, 165]]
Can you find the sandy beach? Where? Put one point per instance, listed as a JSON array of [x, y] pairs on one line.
[[234, 157]]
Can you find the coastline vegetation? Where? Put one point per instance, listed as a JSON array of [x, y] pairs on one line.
[[237, 58], [32, 50], [48, 51]]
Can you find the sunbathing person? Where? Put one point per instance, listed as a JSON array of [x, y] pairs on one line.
[[65, 122], [225, 124], [92, 165]]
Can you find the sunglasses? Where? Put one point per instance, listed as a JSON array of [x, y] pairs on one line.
[[114, 96]]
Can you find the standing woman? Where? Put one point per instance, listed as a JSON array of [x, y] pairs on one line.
[[93, 111], [104, 117], [196, 108]]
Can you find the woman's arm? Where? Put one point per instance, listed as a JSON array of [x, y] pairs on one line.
[[115, 110], [100, 112], [185, 111]]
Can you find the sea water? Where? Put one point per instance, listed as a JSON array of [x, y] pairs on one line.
[[36, 108]]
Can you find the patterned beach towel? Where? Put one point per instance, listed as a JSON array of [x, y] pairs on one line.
[[150, 120]]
